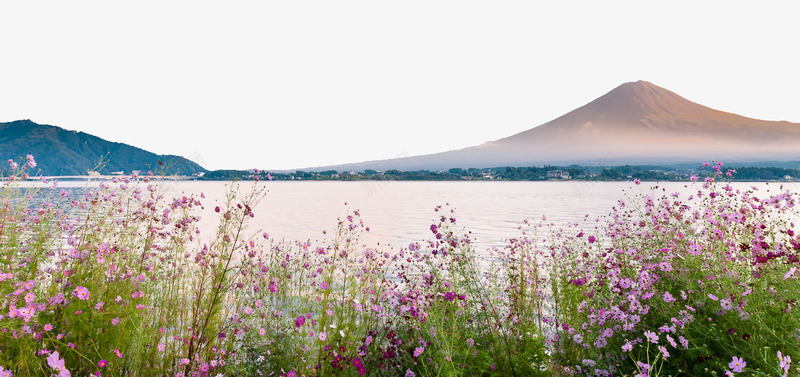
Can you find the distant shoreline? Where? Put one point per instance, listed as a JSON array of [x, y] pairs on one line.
[[531, 173]]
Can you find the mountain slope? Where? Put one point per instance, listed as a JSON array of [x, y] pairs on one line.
[[63, 152], [635, 123]]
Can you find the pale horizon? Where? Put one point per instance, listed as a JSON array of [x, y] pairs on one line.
[[294, 85]]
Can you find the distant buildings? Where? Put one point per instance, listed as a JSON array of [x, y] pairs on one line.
[[557, 174]]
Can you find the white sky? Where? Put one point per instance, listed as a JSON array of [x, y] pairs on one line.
[[292, 84]]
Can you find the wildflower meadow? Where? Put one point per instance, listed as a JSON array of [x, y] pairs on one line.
[[118, 280]]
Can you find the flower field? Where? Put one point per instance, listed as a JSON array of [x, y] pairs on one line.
[[119, 281]]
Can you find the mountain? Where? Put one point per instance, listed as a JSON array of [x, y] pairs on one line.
[[63, 152], [636, 123]]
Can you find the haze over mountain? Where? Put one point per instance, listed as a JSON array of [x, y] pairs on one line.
[[636, 123], [64, 152]]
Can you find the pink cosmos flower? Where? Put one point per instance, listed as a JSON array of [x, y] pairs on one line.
[[651, 336], [31, 161], [737, 364], [627, 347], [57, 363], [82, 293]]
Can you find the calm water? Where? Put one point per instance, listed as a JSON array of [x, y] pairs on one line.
[[401, 212]]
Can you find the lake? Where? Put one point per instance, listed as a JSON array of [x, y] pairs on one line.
[[400, 212]]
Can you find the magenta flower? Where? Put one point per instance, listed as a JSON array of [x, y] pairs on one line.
[[299, 321], [291, 374], [57, 363], [737, 364], [102, 363], [450, 296], [359, 366]]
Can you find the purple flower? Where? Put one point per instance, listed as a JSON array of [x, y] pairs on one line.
[[600, 342], [102, 363], [450, 296], [578, 282], [418, 351], [591, 239], [299, 321], [737, 364], [578, 338]]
